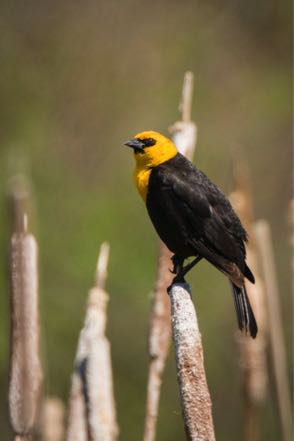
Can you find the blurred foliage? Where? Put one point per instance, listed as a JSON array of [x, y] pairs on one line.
[[79, 78]]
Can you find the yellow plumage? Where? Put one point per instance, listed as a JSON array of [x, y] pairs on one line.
[[163, 150]]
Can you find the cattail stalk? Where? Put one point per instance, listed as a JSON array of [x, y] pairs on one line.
[[25, 373], [159, 341], [184, 136], [25, 367], [92, 413], [194, 393], [184, 132], [52, 419], [253, 351], [195, 397], [263, 239]]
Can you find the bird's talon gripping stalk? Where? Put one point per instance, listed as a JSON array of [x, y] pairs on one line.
[[177, 263], [179, 278], [181, 270]]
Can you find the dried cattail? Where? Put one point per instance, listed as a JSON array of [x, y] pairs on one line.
[[92, 412], [253, 351], [159, 341], [184, 132], [52, 419], [25, 367], [263, 239], [194, 393]]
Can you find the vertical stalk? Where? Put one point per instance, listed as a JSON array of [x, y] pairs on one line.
[[52, 419], [25, 374], [253, 351], [264, 243], [92, 414], [194, 393], [25, 367]]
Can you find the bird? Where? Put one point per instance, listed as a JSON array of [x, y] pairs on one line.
[[192, 216]]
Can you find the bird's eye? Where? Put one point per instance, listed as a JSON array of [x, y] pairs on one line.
[[148, 142]]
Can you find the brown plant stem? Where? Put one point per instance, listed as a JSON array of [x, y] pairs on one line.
[[52, 419], [263, 239], [25, 366], [159, 341], [92, 413], [253, 351], [194, 393]]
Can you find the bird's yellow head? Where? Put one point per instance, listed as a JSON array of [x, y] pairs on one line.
[[151, 149]]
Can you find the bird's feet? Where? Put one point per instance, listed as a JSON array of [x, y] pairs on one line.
[[179, 278], [177, 264], [178, 270], [181, 270]]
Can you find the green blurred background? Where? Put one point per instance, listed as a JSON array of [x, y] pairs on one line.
[[79, 78]]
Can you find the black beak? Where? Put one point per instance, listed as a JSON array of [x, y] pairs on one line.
[[135, 144]]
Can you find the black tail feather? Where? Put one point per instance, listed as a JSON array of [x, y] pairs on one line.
[[248, 274], [245, 316]]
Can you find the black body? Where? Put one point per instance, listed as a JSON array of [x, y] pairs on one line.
[[194, 218]]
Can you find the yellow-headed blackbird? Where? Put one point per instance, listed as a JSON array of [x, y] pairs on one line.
[[192, 216]]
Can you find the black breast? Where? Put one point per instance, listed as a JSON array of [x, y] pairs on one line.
[[162, 206]]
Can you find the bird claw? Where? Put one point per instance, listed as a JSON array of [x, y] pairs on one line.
[[179, 278], [177, 263]]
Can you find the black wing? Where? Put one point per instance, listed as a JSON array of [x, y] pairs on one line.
[[201, 212]]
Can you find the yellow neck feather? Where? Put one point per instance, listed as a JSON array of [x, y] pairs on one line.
[[162, 151], [141, 178]]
